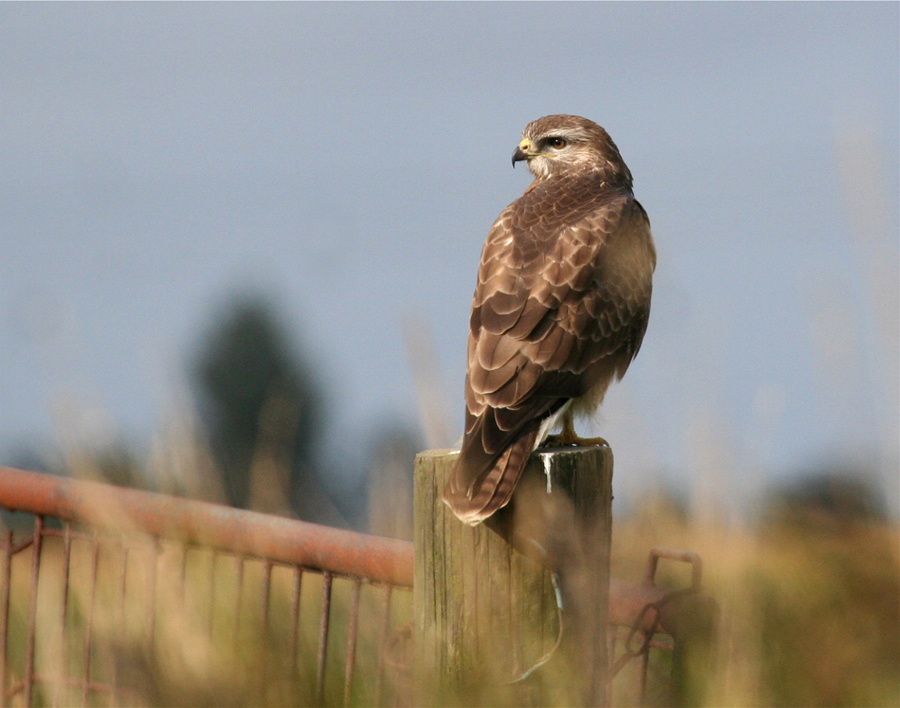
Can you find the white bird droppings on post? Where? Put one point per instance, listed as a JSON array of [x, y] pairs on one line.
[[545, 460]]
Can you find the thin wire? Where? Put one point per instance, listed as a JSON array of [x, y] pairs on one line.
[[559, 617]]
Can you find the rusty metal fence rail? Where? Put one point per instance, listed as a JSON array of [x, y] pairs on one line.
[[113, 539], [252, 580]]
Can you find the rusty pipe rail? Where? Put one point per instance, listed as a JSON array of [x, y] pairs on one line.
[[627, 599], [244, 532], [261, 535]]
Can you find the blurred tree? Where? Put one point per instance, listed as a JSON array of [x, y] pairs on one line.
[[261, 409], [827, 497], [114, 463]]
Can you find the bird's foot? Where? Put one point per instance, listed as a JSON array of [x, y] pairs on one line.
[[591, 442], [563, 440], [569, 438]]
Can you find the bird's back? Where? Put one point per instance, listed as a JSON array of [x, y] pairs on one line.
[[560, 309]]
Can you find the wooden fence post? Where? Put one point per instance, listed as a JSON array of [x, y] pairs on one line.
[[485, 608]]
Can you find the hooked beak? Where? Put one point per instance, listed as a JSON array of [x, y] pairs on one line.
[[521, 152]]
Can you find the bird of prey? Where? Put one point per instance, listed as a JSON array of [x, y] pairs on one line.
[[560, 307]]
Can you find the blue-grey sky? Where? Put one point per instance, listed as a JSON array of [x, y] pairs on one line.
[[348, 160]]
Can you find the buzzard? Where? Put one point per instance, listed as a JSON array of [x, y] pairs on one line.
[[560, 308]]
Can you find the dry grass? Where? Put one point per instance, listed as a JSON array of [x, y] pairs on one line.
[[810, 617], [810, 604]]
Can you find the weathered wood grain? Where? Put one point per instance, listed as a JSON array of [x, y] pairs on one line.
[[485, 608]]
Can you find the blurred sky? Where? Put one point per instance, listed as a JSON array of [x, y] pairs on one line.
[[348, 159]]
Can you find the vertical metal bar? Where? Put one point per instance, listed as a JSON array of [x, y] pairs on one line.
[[266, 585], [63, 634], [212, 591], [351, 641], [295, 614], [611, 635], [150, 619], [122, 619], [382, 642], [238, 591], [32, 607], [5, 578], [89, 624], [182, 575], [645, 663], [323, 636]]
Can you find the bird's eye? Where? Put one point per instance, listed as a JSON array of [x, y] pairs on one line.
[[557, 143]]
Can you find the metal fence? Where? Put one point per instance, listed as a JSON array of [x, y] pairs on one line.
[[680, 623], [126, 548], [328, 600]]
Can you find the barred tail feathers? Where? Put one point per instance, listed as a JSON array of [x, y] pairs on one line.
[[474, 492]]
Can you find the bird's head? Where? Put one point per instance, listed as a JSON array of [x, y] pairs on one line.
[[560, 144]]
